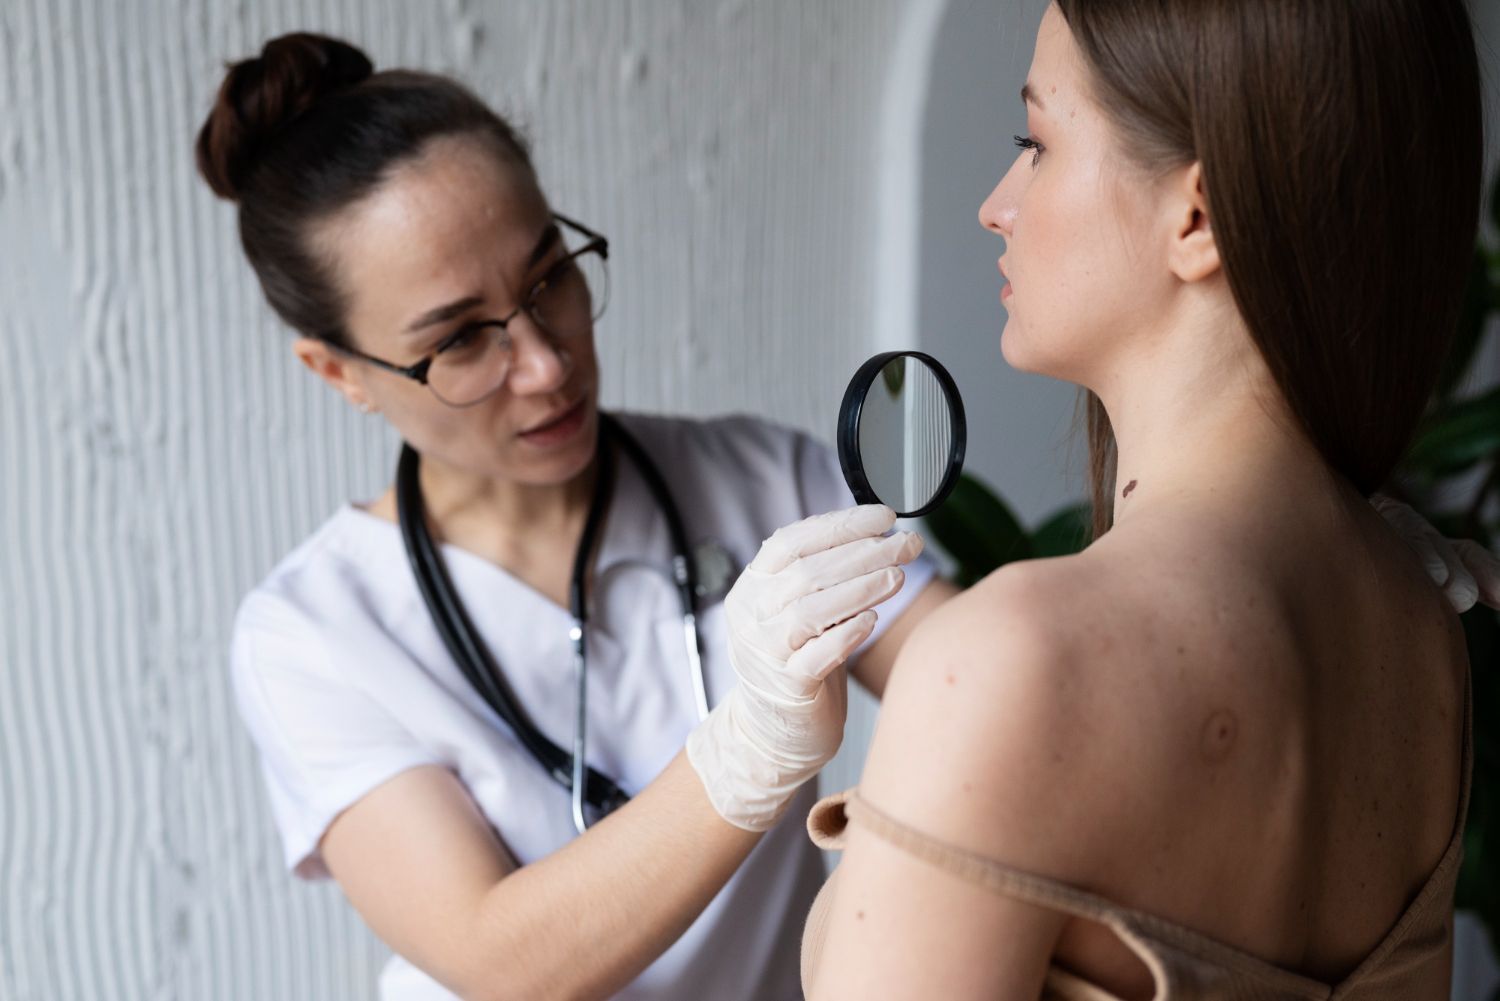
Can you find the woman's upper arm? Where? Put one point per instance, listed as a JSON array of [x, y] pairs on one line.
[[873, 667], [969, 751], [416, 858]]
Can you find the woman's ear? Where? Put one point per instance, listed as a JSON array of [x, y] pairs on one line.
[[1193, 255], [333, 367]]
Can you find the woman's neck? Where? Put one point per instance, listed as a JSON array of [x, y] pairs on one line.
[[1194, 429]]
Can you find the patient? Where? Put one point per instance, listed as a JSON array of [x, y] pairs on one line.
[[1224, 752]]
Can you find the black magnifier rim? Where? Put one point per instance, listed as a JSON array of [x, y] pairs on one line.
[[851, 461]]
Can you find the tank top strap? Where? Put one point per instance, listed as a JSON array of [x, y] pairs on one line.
[[1161, 944], [1182, 962], [828, 826]]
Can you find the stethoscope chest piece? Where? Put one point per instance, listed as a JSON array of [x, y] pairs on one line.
[[716, 570]]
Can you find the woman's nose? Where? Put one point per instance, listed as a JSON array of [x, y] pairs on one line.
[[998, 212], [539, 363]]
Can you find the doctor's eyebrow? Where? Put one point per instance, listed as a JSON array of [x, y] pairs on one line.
[[442, 314], [1028, 93]]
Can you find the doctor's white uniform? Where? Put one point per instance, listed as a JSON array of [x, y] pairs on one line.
[[343, 682]]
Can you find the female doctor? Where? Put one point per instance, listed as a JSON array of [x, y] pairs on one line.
[[396, 224]]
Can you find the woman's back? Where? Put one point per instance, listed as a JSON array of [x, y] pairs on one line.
[[1288, 689], [1219, 754]]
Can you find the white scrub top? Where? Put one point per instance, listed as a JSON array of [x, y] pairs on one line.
[[344, 682]]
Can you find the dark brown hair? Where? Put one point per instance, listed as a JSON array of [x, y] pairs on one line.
[[1342, 150], [307, 129]]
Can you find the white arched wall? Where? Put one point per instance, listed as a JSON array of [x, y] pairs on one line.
[[949, 108]]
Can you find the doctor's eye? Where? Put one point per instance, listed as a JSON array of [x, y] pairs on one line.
[[1026, 142], [466, 340]]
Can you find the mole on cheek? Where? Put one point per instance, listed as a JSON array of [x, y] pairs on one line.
[[1219, 734], [1128, 487]]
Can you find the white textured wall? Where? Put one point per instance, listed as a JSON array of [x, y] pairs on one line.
[[159, 450]]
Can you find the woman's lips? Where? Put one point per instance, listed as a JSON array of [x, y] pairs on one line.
[[558, 429], [1006, 291]]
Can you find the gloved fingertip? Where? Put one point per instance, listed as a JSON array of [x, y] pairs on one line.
[[877, 519], [1437, 568], [912, 546], [1462, 593]]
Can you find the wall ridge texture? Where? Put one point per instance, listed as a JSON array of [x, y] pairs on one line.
[[160, 449]]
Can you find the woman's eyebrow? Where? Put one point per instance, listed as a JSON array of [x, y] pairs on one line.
[[1029, 94], [458, 307]]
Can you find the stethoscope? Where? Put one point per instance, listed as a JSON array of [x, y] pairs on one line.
[[586, 784]]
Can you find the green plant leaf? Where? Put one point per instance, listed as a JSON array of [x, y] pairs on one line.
[[978, 530], [1495, 200], [1065, 533], [1479, 879], [1456, 437], [1479, 299]]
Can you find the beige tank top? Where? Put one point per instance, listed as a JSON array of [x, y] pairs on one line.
[[1187, 965]]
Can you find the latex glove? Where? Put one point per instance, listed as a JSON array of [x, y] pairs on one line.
[[801, 607], [1465, 570]]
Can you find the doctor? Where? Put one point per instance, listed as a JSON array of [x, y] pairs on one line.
[[396, 224]]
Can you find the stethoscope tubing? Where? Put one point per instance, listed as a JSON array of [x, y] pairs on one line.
[[586, 785]]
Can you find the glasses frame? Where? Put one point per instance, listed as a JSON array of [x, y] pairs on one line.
[[594, 243]]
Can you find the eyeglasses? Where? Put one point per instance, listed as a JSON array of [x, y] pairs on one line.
[[473, 361]]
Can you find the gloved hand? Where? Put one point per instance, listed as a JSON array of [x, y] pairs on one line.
[[1464, 569], [796, 613]]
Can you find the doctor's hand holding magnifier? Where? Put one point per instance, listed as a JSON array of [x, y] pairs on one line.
[[506, 704]]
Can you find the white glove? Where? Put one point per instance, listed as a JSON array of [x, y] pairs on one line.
[[1465, 570], [796, 613]]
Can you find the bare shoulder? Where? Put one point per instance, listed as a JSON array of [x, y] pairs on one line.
[[1047, 717]]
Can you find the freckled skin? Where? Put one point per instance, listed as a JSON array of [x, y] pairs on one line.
[[1219, 734]]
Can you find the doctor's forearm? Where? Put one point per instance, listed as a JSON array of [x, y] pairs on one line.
[[588, 919]]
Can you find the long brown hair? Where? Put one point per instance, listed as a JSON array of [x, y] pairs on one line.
[[1342, 150]]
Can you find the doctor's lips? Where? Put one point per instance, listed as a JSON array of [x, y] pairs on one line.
[[1006, 290], [559, 427]]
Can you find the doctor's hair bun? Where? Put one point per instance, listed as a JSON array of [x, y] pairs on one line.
[[261, 97]]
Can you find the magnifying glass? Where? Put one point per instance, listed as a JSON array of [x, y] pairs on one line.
[[901, 433]]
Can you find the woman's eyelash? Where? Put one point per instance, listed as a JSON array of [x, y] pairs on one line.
[[1026, 142]]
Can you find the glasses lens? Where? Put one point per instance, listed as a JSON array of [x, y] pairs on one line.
[[573, 296], [471, 368]]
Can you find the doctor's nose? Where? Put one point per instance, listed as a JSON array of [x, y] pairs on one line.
[[539, 362]]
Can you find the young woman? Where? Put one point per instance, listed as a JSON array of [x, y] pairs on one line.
[[396, 224], [1222, 753]]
